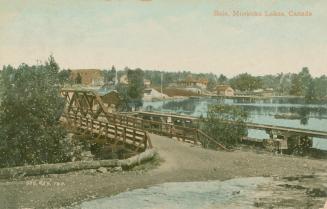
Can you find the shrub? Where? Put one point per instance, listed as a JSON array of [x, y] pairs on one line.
[[30, 108], [225, 123]]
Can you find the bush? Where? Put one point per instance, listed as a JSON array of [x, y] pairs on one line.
[[226, 124], [30, 108]]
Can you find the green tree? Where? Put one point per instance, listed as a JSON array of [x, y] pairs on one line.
[[246, 82], [212, 82], [52, 65], [320, 85], [109, 75], [296, 86], [284, 84], [123, 94], [30, 108], [222, 79], [226, 124], [310, 94], [301, 83], [135, 87], [64, 77], [305, 79], [132, 94], [78, 79]]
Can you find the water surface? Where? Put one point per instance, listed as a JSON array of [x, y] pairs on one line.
[[313, 116]]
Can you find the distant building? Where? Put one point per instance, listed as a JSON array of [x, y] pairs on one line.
[[225, 90], [93, 77], [152, 94], [147, 83], [124, 80], [268, 92], [190, 82], [110, 98]]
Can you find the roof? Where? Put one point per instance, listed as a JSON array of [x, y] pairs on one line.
[[105, 90], [222, 87]]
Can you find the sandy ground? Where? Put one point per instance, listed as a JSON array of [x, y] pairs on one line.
[[180, 162]]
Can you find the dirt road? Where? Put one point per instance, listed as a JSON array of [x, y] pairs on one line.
[[180, 162]]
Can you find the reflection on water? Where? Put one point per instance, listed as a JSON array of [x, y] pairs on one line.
[[235, 193], [311, 116], [259, 111]]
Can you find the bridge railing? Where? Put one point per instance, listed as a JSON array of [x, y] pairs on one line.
[[110, 133], [186, 134]]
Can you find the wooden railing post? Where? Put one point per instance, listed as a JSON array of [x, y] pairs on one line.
[[116, 132], [124, 135], [134, 140], [145, 141], [148, 140], [107, 130], [197, 136]]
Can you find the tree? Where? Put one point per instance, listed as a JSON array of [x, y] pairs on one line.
[[212, 82], [78, 79], [246, 82], [310, 94], [284, 84], [320, 85], [64, 77], [226, 124], [222, 79], [305, 80], [30, 108], [109, 75], [301, 83], [135, 87], [132, 94], [124, 98], [296, 87], [52, 65]]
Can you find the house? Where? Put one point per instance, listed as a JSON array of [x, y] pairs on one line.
[[225, 90], [190, 82], [89, 77], [110, 98]]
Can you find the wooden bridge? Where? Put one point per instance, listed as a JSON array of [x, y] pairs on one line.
[[86, 112]]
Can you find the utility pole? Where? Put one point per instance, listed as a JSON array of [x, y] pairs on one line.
[[161, 84]]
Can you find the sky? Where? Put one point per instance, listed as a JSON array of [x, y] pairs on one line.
[[170, 35]]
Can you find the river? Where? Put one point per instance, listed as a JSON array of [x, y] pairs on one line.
[[314, 116]]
